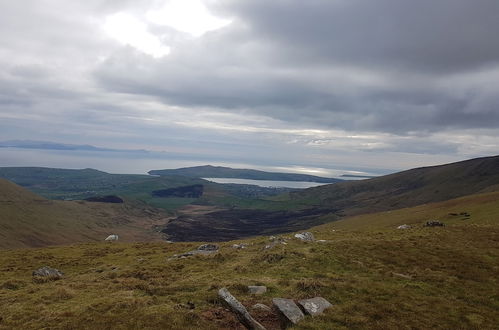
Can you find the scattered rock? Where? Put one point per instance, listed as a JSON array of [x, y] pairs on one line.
[[48, 272], [314, 306], [404, 227], [289, 311], [242, 314], [205, 249], [261, 307], [112, 238], [257, 289], [305, 236], [240, 246], [434, 223], [274, 241]]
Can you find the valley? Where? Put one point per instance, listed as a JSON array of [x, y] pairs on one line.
[[372, 256]]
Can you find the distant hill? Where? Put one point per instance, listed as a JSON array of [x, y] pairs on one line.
[[209, 171], [28, 220], [408, 188]]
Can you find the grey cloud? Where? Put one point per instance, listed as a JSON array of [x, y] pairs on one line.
[[275, 60], [387, 66]]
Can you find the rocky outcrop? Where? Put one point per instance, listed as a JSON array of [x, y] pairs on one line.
[[237, 308]]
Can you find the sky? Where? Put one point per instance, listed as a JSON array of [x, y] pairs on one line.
[[312, 86]]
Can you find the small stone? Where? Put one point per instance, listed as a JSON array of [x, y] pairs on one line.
[[111, 238], [257, 289], [240, 246], [408, 277], [237, 308], [305, 236], [404, 227], [261, 307], [289, 311], [314, 306], [208, 247]]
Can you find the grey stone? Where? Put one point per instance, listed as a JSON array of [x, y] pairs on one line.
[[314, 306], [111, 238], [289, 311], [257, 289], [208, 247], [240, 246], [404, 227], [237, 308], [305, 236], [261, 307], [48, 272], [203, 250]]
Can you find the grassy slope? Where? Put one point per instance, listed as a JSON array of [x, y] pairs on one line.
[[408, 188], [364, 271], [28, 220]]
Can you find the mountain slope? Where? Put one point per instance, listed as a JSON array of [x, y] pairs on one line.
[[209, 171], [28, 220], [376, 276], [408, 188]]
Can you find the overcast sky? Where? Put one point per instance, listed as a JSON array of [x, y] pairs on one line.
[[318, 84]]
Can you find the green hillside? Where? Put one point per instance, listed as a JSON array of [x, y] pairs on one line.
[[28, 220], [404, 189], [209, 171], [376, 276]]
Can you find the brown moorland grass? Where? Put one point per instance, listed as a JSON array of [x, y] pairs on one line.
[[376, 276]]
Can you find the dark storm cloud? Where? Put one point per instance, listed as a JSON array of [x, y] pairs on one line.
[[379, 65], [426, 35]]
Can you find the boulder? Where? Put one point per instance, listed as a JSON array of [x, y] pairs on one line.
[[305, 236], [237, 308], [290, 313], [48, 272], [257, 289], [314, 306]]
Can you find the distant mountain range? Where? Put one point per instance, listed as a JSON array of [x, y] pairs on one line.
[[209, 171], [45, 145]]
